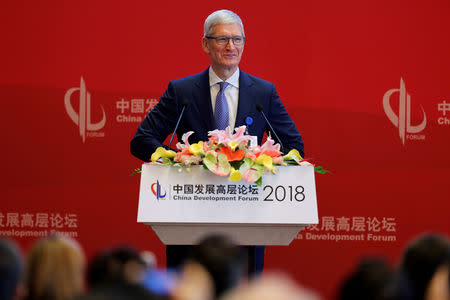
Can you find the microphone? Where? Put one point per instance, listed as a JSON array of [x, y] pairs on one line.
[[184, 103], [260, 109]]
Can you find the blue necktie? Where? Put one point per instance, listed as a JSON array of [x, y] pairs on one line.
[[221, 110]]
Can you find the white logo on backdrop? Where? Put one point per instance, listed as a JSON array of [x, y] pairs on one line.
[[83, 118], [403, 120]]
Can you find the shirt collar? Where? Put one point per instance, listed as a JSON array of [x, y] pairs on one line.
[[233, 80]]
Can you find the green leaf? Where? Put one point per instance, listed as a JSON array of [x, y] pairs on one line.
[[166, 161], [236, 164], [259, 181], [139, 170], [320, 170]]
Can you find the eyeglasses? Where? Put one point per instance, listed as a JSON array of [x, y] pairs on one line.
[[224, 40]]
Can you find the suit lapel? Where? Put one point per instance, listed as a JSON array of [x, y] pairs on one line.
[[246, 105], [202, 96]]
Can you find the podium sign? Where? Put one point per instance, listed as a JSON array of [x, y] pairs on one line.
[[184, 206]]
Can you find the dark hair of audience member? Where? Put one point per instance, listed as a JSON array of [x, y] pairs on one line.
[[222, 259], [421, 260], [117, 265], [55, 268], [367, 281], [11, 269]]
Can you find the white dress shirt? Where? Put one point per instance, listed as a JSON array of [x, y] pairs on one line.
[[231, 93]]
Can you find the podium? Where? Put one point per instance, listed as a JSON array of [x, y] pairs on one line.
[[183, 207]]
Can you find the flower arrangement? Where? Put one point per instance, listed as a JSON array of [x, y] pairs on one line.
[[235, 155]]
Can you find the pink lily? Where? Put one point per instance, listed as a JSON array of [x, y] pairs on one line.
[[225, 137], [184, 138]]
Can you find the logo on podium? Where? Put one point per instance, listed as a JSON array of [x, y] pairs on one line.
[[403, 120], [158, 190], [82, 118]]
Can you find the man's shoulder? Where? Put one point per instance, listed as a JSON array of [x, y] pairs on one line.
[[247, 78], [188, 80]]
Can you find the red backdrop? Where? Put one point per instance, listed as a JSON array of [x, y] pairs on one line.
[[333, 62]]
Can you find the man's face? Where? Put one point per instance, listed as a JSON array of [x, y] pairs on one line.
[[224, 56]]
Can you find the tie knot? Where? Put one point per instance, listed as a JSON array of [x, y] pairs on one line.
[[223, 85]]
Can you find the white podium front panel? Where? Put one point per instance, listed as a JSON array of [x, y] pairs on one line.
[[200, 197]]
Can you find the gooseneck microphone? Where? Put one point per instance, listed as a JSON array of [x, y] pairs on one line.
[[260, 109], [184, 103]]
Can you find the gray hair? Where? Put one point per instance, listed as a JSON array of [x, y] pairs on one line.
[[222, 16]]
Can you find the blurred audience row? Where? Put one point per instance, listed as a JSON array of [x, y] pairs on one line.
[[55, 269]]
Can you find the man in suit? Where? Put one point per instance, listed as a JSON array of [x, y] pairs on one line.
[[220, 96]]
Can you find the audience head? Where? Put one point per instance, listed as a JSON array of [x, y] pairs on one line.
[[367, 281], [11, 271], [117, 265], [439, 286], [271, 286], [422, 259], [55, 268], [213, 267]]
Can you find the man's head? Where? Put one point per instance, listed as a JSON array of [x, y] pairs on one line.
[[223, 40]]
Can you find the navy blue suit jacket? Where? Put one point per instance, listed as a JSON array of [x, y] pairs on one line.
[[198, 115]]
